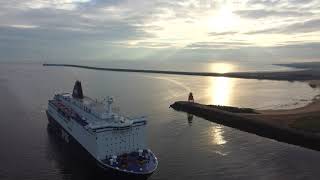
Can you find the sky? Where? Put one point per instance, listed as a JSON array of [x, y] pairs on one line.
[[156, 30]]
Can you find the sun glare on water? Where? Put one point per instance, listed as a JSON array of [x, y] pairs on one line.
[[216, 133], [220, 88]]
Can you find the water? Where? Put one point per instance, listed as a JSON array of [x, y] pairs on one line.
[[195, 149]]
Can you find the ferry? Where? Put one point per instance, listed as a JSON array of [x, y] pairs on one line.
[[116, 143]]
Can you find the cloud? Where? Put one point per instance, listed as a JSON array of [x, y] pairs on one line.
[[146, 29], [53, 24], [264, 31], [281, 3], [222, 33], [296, 52], [304, 27], [262, 13], [309, 26], [217, 45]]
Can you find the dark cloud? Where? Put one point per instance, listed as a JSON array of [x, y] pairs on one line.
[[264, 31], [262, 13], [220, 45], [264, 2], [279, 3], [112, 31], [312, 25]]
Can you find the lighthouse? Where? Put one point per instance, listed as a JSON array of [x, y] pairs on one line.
[[190, 98]]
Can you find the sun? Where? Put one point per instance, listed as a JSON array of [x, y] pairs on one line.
[[222, 20]]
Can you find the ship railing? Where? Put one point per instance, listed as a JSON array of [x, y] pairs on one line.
[[79, 120], [138, 161]]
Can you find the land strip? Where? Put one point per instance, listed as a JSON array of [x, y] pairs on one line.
[[297, 75], [299, 126]]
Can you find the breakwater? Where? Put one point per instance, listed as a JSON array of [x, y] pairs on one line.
[[250, 124], [299, 75]]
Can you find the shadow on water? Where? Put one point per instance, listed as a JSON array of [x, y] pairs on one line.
[[72, 161], [69, 159]]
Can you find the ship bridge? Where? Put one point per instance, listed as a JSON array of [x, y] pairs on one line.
[[98, 114]]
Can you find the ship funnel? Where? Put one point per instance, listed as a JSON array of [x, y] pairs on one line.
[[77, 90]]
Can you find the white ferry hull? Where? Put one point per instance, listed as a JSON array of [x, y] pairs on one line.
[[70, 139]]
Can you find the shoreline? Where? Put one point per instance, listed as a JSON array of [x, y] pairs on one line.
[[289, 126], [296, 75]]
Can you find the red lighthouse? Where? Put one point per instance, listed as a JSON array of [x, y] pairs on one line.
[[190, 98]]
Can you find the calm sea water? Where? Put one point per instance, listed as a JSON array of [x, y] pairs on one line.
[[195, 149]]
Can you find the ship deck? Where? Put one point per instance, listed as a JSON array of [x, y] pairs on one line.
[[92, 104], [134, 163], [90, 113]]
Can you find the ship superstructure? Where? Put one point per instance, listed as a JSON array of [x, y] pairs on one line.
[[114, 141]]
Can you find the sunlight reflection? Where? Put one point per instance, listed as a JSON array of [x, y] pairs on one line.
[[221, 91], [221, 67], [221, 88], [216, 133]]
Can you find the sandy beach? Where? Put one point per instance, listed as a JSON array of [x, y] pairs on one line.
[[287, 118], [292, 118]]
